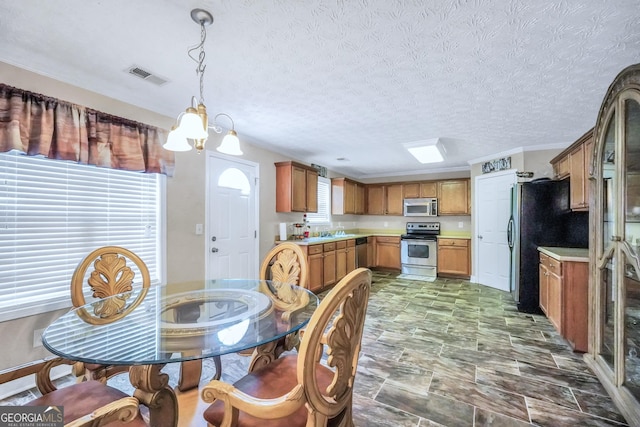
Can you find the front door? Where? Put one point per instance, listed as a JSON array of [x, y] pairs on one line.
[[232, 213], [493, 199]]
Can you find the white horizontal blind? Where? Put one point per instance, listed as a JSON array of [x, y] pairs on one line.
[[323, 216], [53, 213]]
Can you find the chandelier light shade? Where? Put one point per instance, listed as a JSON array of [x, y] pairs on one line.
[[193, 124]]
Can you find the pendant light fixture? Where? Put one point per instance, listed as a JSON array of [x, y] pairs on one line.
[[193, 124]]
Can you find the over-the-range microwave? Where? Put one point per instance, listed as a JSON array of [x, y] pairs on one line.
[[421, 207]]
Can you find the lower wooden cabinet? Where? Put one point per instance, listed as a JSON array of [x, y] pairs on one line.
[[564, 298], [315, 263], [387, 252], [454, 257]]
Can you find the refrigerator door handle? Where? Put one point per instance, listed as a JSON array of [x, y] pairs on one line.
[[510, 233]]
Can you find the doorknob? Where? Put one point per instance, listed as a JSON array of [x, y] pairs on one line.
[[214, 250], [479, 237], [213, 239]]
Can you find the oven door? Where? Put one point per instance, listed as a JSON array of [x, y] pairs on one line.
[[419, 252]]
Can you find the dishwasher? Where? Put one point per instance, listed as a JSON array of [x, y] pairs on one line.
[[361, 252]]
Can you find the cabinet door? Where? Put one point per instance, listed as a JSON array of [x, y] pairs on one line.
[[341, 263], [387, 253], [394, 200], [375, 200], [311, 191], [588, 157], [351, 257], [329, 268], [576, 178], [371, 251], [561, 167], [554, 308], [453, 197], [349, 197], [453, 257], [298, 189], [411, 190], [316, 269], [360, 199], [429, 189], [544, 288]]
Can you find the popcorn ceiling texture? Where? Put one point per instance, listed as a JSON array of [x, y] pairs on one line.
[[317, 80]]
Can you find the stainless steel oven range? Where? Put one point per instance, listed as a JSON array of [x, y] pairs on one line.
[[419, 249]]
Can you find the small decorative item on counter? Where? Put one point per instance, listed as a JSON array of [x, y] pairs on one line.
[[306, 227]]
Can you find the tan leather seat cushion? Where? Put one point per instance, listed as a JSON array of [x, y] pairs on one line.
[[82, 399], [268, 382]]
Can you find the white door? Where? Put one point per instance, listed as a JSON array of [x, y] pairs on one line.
[[232, 217], [493, 201]]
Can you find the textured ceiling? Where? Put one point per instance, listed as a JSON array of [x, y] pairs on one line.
[[355, 79]]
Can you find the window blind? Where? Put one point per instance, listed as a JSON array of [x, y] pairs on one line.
[[53, 213], [323, 216]]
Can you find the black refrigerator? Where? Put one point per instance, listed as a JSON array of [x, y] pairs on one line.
[[540, 216]]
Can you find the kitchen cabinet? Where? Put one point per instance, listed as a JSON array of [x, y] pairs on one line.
[[579, 161], [387, 252], [329, 267], [614, 306], [454, 257], [315, 261], [454, 197], [345, 258], [386, 199], [347, 197], [564, 298], [428, 189], [560, 167], [551, 290], [296, 187], [574, 163]]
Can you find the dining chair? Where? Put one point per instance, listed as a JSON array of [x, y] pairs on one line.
[[303, 388], [107, 271], [88, 403], [284, 263]]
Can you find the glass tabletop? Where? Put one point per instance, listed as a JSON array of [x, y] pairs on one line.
[[179, 322]]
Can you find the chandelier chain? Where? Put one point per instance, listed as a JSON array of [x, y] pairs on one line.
[[200, 59]]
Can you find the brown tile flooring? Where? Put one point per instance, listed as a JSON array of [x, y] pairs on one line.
[[453, 353]]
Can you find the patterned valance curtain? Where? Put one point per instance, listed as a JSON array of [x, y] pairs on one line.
[[39, 125]]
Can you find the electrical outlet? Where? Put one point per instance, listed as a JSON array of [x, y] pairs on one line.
[[37, 337]]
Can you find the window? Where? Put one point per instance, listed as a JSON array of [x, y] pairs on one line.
[[53, 213], [323, 216]]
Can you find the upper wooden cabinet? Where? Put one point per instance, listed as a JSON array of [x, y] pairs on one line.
[[420, 189], [347, 197], [296, 188], [384, 199], [454, 197], [574, 162]]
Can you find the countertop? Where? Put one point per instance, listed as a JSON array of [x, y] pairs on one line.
[[566, 254], [320, 240]]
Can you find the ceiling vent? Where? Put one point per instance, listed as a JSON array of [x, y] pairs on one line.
[[146, 75]]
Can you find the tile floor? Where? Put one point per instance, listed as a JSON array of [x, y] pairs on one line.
[[453, 353]]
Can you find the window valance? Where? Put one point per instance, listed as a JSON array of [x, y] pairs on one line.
[[40, 125]]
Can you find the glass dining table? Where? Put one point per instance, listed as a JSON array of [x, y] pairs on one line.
[[180, 322]]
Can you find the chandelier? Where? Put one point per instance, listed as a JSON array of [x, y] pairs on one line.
[[193, 123]]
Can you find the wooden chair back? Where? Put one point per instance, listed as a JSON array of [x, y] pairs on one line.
[[337, 326], [111, 274], [285, 263]]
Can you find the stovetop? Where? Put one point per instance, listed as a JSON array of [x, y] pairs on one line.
[[422, 230]]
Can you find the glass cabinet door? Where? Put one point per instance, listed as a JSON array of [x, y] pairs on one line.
[[608, 277], [631, 337]]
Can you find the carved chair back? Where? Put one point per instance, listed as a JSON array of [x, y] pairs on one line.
[[285, 263]]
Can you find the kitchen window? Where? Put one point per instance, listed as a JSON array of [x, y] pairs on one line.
[[323, 216], [53, 213]]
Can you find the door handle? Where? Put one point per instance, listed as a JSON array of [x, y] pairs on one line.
[[479, 237], [214, 250]]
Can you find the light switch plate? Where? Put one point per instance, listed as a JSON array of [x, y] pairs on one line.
[[37, 337], [199, 229]]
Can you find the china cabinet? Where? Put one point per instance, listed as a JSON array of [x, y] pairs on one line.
[[614, 311]]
